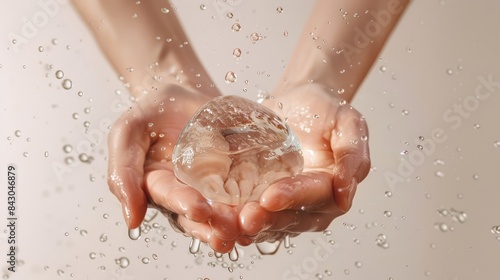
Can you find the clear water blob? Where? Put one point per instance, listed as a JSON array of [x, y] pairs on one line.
[[234, 255], [381, 241], [203, 7], [233, 149], [279, 9]]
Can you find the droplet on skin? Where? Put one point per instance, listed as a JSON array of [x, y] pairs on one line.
[[135, 233], [46, 154], [92, 255], [165, 10]]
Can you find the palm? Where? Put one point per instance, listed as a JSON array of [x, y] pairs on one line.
[[333, 137]]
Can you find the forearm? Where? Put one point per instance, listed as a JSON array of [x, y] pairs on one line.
[[340, 42], [145, 43]]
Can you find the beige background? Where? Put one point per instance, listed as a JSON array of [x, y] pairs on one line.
[[57, 201]]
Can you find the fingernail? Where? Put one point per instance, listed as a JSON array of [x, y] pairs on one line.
[[351, 190], [126, 213]]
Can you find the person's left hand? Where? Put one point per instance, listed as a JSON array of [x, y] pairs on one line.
[[334, 138]]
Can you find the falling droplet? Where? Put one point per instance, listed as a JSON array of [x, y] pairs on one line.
[[145, 260], [230, 77], [194, 246], [135, 233], [236, 27], [229, 15], [123, 262], [59, 74], [268, 248], [67, 84], [233, 255], [237, 52]]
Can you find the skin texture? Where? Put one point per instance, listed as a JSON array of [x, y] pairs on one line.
[[328, 65]]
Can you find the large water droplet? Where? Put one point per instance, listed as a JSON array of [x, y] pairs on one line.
[[233, 255], [268, 248], [242, 146]]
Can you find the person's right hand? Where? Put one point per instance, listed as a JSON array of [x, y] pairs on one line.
[[141, 172]]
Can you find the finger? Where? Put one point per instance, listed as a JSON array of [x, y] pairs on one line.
[[349, 144], [224, 222], [127, 150], [166, 191], [308, 191], [254, 220]]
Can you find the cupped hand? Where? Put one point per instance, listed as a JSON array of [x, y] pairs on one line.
[[141, 172], [334, 138]]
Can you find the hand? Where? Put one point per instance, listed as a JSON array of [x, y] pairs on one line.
[[141, 171], [334, 139]]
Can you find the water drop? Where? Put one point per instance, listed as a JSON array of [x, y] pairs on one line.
[[383, 69], [26, 154], [236, 27], [229, 15], [233, 255], [358, 264], [145, 260], [279, 10], [86, 123], [83, 232], [105, 216], [285, 33], [123, 262], [103, 237], [40, 49], [449, 71], [439, 174], [237, 52], [92, 255], [59, 74], [286, 241], [405, 112], [46, 154], [387, 214], [203, 7], [475, 177], [67, 149], [495, 229], [17, 133], [403, 152], [165, 10], [442, 227], [255, 37], [67, 84], [477, 126], [496, 144], [230, 77], [135, 233], [76, 116], [60, 272], [194, 246], [80, 93]]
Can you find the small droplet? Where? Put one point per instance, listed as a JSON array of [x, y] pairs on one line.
[[46, 154], [383, 69], [255, 37], [279, 10], [405, 112], [40, 49], [387, 214], [475, 177], [26, 154], [103, 237], [83, 232], [67, 149], [165, 10], [233, 255], [496, 144], [495, 229], [145, 260], [230, 77], [86, 123], [236, 27], [194, 246], [123, 262], [203, 7], [403, 152], [358, 264], [67, 84], [237, 52], [17, 133], [80, 93], [60, 272], [229, 15], [76, 116], [439, 174], [477, 126], [105, 216], [388, 194], [92, 255], [449, 71], [59, 74]]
